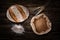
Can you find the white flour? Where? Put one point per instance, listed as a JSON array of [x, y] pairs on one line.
[[18, 29]]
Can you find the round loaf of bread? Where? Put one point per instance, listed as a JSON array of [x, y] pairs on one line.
[[40, 24], [17, 13]]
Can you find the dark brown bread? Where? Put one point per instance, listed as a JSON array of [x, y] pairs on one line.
[[40, 24]]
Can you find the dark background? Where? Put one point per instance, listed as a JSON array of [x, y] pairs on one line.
[[52, 11]]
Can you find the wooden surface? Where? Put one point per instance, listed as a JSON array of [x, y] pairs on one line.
[[52, 11]]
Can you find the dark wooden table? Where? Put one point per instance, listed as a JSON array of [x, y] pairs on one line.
[[52, 11]]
